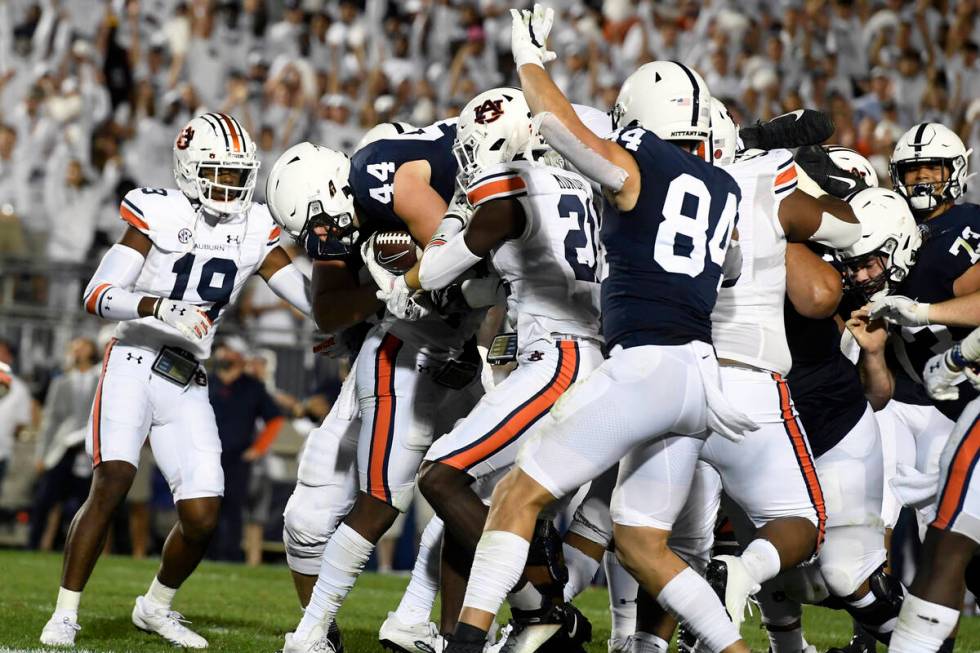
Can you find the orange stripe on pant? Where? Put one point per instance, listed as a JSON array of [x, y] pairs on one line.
[[958, 479], [803, 457], [97, 409], [523, 417], [384, 417]]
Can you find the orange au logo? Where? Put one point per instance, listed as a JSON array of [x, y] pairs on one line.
[[489, 111], [184, 139]]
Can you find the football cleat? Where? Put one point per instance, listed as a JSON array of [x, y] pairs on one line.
[[415, 638], [60, 630], [860, 643], [317, 641], [168, 624], [733, 585], [558, 628]]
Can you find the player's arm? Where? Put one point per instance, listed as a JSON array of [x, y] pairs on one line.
[[453, 249], [338, 300], [808, 213], [604, 161], [813, 285], [961, 311], [286, 280], [876, 377], [418, 205]]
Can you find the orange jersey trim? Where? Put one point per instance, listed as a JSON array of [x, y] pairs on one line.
[[132, 218], [496, 187]]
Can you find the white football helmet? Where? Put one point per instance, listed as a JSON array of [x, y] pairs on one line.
[[930, 143], [724, 134], [383, 131], [309, 186], [889, 241], [209, 146], [667, 98], [494, 127], [850, 161]]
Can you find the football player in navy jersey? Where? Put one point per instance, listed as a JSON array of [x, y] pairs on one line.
[[935, 305], [411, 378], [668, 220]]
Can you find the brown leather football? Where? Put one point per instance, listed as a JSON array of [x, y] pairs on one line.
[[396, 251]]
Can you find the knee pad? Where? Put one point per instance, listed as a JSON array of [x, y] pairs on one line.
[[849, 555], [310, 518]]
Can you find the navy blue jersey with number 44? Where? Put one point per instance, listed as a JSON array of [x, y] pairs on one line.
[[373, 168], [950, 247], [664, 257]]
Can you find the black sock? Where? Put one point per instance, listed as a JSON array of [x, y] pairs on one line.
[[466, 634]]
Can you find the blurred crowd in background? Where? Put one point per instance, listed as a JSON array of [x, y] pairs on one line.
[[94, 92]]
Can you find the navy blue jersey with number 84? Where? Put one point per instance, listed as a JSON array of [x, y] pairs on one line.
[[664, 256]]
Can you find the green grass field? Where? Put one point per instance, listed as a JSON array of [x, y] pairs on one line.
[[243, 610]]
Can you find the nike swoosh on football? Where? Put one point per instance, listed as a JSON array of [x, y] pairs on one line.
[[850, 182], [385, 260]]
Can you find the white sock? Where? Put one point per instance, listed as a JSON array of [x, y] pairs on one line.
[[648, 643], [497, 566], [863, 602], [581, 570], [160, 595], [623, 589], [690, 599], [527, 598], [761, 560], [68, 601], [416, 604], [922, 626], [344, 559]]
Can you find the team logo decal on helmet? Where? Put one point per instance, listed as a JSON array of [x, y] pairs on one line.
[[489, 111], [184, 138]]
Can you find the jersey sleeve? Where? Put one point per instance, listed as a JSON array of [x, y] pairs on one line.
[[132, 213], [496, 183], [784, 180]]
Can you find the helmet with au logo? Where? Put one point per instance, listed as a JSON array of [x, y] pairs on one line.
[[215, 164], [494, 127]]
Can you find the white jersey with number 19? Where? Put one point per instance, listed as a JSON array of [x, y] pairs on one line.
[[192, 259]]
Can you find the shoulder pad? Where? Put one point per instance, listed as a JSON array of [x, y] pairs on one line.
[[500, 181], [162, 214], [261, 221]]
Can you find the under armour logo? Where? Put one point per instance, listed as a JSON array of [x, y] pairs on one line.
[[535, 356], [178, 310], [232, 239], [138, 359], [489, 111]]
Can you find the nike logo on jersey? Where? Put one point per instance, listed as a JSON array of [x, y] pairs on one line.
[[850, 182], [385, 260]]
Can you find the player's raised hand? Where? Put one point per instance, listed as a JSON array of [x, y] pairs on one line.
[[940, 378], [529, 32], [899, 310], [190, 320]]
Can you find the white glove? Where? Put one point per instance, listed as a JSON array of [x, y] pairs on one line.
[[914, 488], [972, 375], [460, 207], [528, 33], [382, 278], [900, 310], [190, 320], [940, 378], [402, 301]]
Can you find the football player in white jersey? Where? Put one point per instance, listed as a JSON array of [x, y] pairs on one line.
[[536, 221], [184, 258]]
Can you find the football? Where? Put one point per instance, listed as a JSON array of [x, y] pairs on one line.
[[396, 251]]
